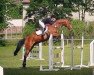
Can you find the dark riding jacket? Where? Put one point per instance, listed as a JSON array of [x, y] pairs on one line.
[[47, 21]]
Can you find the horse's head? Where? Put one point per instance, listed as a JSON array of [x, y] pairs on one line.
[[63, 22]]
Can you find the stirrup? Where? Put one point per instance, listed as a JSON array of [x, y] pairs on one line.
[[43, 33], [44, 29]]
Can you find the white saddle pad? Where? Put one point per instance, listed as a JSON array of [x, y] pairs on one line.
[[39, 32]]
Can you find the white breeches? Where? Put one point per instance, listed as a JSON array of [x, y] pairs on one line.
[[41, 24]]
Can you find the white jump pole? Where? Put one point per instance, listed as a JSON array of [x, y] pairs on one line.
[[81, 54], [51, 52], [50, 60], [51, 56], [72, 53], [1, 71], [71, 66], [91, 54], [81, 65], [40, 51], [62, 51]]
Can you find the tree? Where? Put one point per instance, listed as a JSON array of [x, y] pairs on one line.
[[2, 13], [13, 9], [82, 6], [8, 9], [2, 20], [89, 31], [78, 28], [60, 8]]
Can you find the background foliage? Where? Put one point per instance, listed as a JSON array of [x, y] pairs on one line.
[[65, 11], [28, 29], [9, 9]]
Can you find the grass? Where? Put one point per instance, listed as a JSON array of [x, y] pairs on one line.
[[12, 65], [35, 71]]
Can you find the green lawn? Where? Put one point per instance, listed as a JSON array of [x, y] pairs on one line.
[[12, 65]]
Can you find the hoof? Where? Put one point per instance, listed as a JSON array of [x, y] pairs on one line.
[[24, 65], [15, 54]]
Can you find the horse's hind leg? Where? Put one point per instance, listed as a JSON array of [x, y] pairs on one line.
[[19, 45], [25, 56], [28, 49]]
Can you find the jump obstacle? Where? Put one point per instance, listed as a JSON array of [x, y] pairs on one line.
[[81, 54], [51, 55], [72, 66], [36, 53], [50, 66], [81, 47]]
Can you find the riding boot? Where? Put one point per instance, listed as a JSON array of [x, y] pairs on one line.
[[43, 31]]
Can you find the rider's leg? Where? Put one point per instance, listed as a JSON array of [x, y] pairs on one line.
[[42, 25]]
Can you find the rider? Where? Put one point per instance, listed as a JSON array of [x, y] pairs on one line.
[[48, 20]]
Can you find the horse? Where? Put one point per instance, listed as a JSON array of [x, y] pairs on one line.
[[31, 40]]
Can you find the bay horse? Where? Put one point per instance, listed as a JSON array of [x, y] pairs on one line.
[[31, 40]]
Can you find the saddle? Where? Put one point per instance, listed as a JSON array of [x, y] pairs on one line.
[[40, 31]]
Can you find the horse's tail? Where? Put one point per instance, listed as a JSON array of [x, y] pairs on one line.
[[19, 45]]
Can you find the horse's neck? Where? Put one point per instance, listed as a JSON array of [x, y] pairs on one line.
[[58, 25]]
